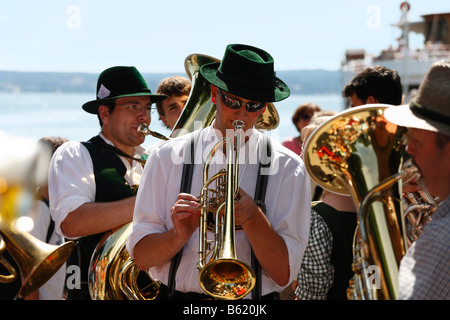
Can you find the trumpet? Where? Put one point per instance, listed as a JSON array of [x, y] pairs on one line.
[[224, 276]]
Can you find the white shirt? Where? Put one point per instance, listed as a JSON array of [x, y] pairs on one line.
[[287, 202], [54, 287], [72, 180]]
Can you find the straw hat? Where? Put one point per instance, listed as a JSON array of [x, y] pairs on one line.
[[430, 109]]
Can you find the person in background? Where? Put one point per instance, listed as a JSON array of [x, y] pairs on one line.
[[273, 224], [425, 269], [93, 184], [376, 84], [44, 230], [301, 117], [177, 89], [326, 267]]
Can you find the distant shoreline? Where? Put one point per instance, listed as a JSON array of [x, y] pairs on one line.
[[300, 81]]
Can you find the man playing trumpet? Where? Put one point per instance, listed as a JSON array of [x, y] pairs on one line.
[[274, 229]]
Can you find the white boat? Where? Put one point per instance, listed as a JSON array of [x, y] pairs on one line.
[[412, 65]]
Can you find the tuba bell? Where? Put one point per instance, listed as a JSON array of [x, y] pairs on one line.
[[112, 273], [358, 152], [224, 276]]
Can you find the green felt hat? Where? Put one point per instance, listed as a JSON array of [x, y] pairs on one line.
[[119, 82], [247, 72]]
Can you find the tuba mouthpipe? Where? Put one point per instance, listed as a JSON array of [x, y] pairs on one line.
[[145, 130]]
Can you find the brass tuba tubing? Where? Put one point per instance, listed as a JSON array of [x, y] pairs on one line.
[[8, 267], [224, 276]]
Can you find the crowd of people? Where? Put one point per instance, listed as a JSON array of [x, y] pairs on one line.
[[294, 235]]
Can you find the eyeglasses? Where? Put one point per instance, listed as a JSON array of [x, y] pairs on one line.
[[139, 109], [236, 104]]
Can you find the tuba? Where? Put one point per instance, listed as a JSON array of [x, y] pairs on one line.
[[224, 276], [358, 152], [112, 273], [19, 175]]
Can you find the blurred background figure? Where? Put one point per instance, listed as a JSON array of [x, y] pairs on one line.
[[177, 88], [44, 230], [301, 117]]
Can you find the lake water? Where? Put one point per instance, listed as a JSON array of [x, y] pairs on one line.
[[41, 114]]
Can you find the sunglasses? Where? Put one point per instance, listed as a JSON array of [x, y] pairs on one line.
[[236, 104]]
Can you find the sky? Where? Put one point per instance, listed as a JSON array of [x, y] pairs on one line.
[[156, 36]]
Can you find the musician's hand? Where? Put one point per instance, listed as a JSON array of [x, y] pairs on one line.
[[185, 215], [244, 208]]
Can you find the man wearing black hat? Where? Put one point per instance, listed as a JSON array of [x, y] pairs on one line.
[[272, 222], [93, 184], [425, 268]]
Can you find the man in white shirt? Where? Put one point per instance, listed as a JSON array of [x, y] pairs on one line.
[[275, 229], [93, 184]]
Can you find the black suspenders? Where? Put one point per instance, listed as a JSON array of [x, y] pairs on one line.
[[259, 198], [185, 187]]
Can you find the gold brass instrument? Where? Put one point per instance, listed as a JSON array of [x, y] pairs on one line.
[[224, 276], [5, 263], [199, 111], [358, 152], [19, 175], [418, 206], [112, 273]]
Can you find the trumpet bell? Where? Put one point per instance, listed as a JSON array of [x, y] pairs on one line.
[[38, 261], [229, 279]]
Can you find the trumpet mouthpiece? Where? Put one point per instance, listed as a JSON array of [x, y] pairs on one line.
[[238, 124]]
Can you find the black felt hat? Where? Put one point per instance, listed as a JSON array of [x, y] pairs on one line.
[[247, 72]]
